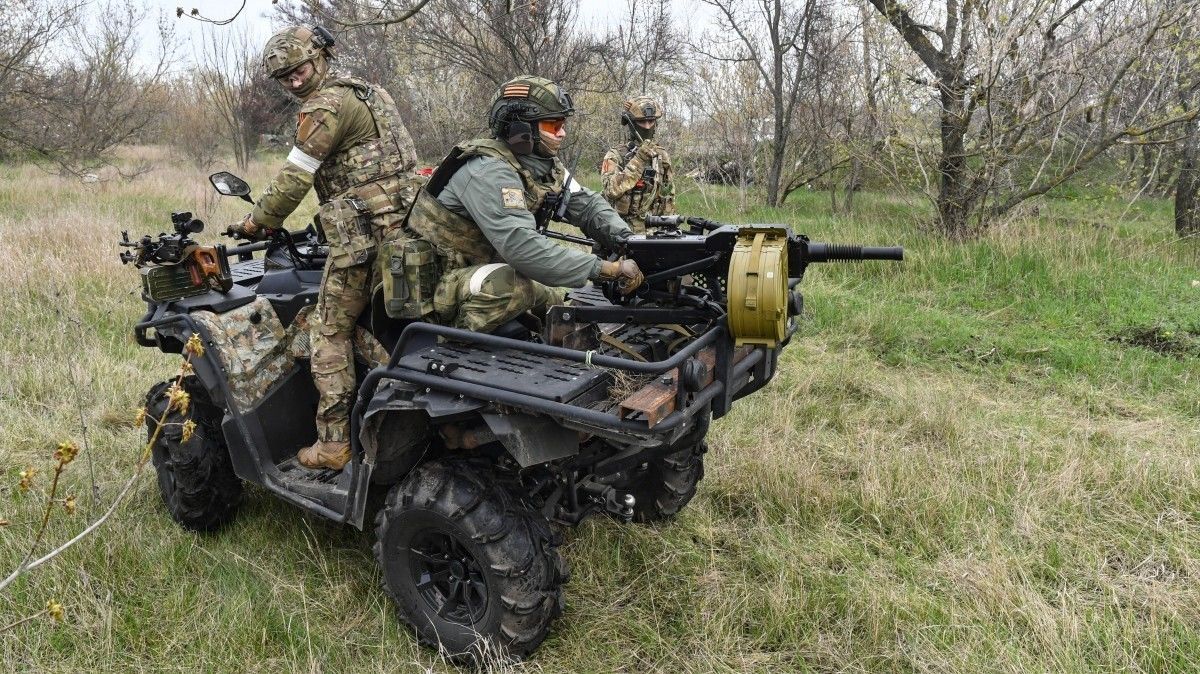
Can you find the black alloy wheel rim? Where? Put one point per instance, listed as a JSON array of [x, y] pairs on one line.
[[447, 577]]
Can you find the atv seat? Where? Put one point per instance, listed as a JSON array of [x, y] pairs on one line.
[[513, 329]]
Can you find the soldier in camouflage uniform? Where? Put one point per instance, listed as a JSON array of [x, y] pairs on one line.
[[637, 175], [351, 145], [482, 208]]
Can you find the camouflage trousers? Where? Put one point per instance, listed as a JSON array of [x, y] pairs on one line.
[[344, 294], [484, 297]]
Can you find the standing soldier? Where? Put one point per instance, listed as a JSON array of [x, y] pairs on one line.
[[485, 203], [637, 175], [351, 145]]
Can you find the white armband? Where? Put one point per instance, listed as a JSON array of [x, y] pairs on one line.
[[306, 163]]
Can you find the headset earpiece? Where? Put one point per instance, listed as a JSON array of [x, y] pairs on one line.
[[519, 137]]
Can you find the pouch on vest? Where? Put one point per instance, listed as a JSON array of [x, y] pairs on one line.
[[451, 233], [348, 228], [409, 276]]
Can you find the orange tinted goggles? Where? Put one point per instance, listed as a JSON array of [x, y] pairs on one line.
[[552, 126]]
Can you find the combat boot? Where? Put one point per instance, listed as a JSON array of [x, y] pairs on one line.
[[325, 454]]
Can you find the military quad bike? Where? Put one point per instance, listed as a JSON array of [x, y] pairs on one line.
[[483, 443]]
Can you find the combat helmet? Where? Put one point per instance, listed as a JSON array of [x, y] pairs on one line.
[[519, 103], [640, 109], [294, 46]]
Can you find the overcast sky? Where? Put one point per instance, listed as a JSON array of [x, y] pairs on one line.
[[255, 18]]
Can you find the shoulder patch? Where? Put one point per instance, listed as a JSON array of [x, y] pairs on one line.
[[308, 122], [512, 197]]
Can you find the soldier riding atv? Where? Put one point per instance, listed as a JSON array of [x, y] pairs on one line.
[[480, 441]]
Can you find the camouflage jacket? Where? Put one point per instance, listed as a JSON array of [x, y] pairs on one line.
[[485, 213], [350, 142], [628, 188]]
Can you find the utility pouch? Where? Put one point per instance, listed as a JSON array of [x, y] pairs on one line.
[[347, 225], [409, 275]]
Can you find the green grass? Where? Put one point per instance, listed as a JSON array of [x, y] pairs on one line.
[[982, 459]]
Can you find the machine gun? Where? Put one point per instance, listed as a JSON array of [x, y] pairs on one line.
[[174, 266], [696, 267]]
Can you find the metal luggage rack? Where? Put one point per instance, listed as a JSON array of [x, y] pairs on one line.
[[420, 359]]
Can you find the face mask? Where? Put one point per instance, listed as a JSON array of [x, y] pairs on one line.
[[320, 70], [637, 134]]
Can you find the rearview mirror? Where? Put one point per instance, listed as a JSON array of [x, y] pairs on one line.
[[230, 185]]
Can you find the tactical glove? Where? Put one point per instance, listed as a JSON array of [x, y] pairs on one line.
[[624, 272], [247, 229], [647, 151]]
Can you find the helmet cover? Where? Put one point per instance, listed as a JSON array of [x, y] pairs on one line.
[[640, 109], [290, 48], [521, 101]]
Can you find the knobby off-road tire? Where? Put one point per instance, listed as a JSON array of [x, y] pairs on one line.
[[472, 571], [663, 486], [195, 478]]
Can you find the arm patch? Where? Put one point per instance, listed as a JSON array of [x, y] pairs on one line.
[[512, 197], [308, 124]]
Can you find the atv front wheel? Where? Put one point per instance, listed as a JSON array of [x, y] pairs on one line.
[[472, 570], [663, 486], [195, 477]]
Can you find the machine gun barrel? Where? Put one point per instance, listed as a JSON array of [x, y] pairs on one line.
[[831, 252]]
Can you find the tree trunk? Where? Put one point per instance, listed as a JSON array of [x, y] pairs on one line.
[[1187, 215], [954, 201], [853, 183]]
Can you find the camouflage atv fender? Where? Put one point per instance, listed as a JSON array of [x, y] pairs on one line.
[[251, 344]]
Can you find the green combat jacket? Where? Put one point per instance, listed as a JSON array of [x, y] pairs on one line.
[[485, 212], [350, 144], [625, 187]]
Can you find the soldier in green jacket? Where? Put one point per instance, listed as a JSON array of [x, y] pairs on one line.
[[482, 208], [637, 175], [351, 145]]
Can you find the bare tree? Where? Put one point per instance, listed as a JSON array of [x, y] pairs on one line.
[[75, 112], [1187, 91], [774, 36], [234, 86], [646, 48], [27, 29], [495, 40], [1030, 94]]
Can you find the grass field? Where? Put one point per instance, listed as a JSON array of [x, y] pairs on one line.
[[984, 459]]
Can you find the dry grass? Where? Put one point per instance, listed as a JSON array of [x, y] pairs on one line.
[[957, 470]]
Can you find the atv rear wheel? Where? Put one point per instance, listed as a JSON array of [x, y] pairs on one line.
[[472, 570], [195, 477], [663, 486]]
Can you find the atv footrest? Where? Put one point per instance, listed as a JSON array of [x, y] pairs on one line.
[[507, 369], [292, 473]]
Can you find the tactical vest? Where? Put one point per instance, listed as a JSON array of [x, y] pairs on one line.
[[638, 201], [459, 240], [358, 171]]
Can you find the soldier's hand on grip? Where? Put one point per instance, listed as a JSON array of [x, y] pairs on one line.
[[624, 272], [245, 229]]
